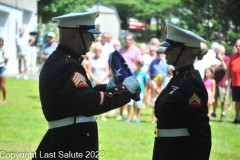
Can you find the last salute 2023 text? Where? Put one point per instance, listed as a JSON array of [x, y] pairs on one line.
[[62, 154]]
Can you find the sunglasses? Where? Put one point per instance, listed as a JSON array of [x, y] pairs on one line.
[[128, 39]]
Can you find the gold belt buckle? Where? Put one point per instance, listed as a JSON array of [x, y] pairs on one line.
[[156, 132]]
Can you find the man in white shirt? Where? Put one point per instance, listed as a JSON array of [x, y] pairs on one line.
[[23, 41], [208, 60], [107, 48]]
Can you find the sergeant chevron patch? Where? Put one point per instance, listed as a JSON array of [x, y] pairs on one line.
[[79, 80], [194, 101]]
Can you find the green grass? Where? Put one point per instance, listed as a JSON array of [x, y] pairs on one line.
[[22, 126]]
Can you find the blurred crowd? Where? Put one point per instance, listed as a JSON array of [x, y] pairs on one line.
[[147, 62]]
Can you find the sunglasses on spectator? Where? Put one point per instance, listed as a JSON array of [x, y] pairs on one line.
[[128, 39]]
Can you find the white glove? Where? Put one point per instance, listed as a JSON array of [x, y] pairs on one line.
[[132, 84], [112, 82]]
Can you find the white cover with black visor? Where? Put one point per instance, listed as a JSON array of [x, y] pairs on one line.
[[181, 37], [82, 21]]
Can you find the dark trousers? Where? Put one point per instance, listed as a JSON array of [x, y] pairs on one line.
[[70, 142]]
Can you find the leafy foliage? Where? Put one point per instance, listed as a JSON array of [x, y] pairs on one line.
[[212, 19]]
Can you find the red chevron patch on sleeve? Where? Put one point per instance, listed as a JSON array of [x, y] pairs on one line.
[[194, 101], [79, 80]]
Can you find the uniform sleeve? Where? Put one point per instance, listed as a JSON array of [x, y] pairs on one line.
[[100, 87], [74, 88], [194, 99]]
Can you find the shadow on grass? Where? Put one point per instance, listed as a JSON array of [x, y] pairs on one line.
[[110, 117], [221, 121]]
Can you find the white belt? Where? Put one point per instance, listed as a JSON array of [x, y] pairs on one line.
[[171, 132], [69, 121]]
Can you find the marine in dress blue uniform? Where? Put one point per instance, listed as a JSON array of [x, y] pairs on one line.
[[69, 102], [183, 130]]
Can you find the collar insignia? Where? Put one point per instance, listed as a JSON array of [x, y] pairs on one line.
[[174, 89]]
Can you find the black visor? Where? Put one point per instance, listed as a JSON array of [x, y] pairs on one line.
[[171, 43]]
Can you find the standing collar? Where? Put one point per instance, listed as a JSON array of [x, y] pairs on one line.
[[66, 50], [183, 69]]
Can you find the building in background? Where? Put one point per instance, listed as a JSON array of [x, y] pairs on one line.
[[108, 15], [14, 14]]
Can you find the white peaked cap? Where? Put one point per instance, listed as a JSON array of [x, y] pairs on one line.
[[176, 36], [82, 21], [51, 34]]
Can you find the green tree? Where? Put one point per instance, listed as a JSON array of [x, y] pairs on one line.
[[52, 8], [216, 20], [144, 10], [212, 19]]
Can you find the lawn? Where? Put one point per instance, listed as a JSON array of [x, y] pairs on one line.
[[22, 126]]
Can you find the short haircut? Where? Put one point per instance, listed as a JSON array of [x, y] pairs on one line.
[[132, 35], [1, 39]]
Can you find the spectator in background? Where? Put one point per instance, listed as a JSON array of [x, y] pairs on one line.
[[221, 81], [117, 44], [208, 60], [23, 41], [107, 48], [99, 38], [234, 50], [156, 90], [49, 46], [4, 56], [153, 52], [168, 77], [158, 66], [109, 39], [137, 105], [145, 57], [98, 70], [234, 73], [87, 57], [210, 85], [154, 42], [131, 53]]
